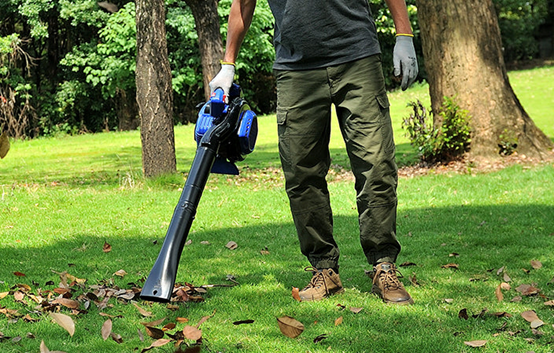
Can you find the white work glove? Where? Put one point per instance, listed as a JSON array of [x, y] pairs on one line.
[[223, 80], [405, 60]]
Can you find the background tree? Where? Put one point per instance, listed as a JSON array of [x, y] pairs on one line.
[[463, 59], [154, 90]]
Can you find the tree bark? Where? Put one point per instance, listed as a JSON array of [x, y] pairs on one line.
[[210, 44], [154, 90], [462, 47]]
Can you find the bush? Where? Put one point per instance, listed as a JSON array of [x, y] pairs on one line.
[[447, 142]]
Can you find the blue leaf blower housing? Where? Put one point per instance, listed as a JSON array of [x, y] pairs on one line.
[[241, 141]]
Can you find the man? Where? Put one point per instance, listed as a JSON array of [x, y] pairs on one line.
[[327, 53]]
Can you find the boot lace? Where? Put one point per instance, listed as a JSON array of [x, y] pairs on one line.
[[318, 278], [390, 279]]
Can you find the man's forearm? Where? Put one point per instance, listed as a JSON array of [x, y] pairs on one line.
[[240, 18], [400, 16]]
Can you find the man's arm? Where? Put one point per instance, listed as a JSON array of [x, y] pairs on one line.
[[240, 18], [404, 56], [400, 17]]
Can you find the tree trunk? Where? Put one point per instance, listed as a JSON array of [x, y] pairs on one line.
[[154, 90], [463, 58], [209, 38]]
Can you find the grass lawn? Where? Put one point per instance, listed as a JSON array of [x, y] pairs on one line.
[[63, 199]]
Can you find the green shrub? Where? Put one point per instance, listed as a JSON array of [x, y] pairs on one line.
[[445, 143]]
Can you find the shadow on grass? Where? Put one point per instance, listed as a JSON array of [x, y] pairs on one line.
[[483, 239]]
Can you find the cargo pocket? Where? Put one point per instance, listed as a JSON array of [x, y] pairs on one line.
[[284, 148], [386, 124]]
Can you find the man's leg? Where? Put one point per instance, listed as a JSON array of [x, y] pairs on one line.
[[304, 117], [363, 113]]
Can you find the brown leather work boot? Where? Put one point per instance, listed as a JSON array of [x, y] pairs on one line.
[[387, 286], [324, 283]]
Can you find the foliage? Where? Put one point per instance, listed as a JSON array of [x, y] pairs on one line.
[[519, 23], [443, 143], [507, 142]]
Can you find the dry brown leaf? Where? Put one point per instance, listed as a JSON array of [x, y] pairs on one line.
[[169, 326], [536, 323], [505, 286], [477, 343], [4, 294], [43, 348], [116, 337], [454, 266], [64, 321], [19, 274], [356, 310], [4, 145], [296, 294], [106, 329], [338, 321], [506, 278], [107, 247], [204, 319], [120, 273], [153, 323], [153, 332], [158, 343], [498, 292], [231, 245], [290, 327], [192, 333], [462, 314], [529, 315], [182, 319], [142, 311], [536, 264], [549, 303], [500, 270], [68, 303]]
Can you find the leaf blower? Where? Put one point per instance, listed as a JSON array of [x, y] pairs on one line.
[[225, 133]]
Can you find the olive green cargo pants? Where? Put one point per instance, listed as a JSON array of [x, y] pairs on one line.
[[305, 99]]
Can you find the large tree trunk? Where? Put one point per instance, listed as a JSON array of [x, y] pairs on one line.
[[154, 90], [209, 38], [463, 58]]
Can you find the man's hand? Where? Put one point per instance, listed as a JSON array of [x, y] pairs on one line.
[[223, 80], [405, 60]]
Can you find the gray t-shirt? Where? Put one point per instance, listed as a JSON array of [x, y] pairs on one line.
[[313, 34]]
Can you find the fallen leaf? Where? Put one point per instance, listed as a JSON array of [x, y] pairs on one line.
[[320, 338], [356, 310], [204, 319], [476, 344], [529, 315], [192, 333], [64, 321], [500, 270], [243, 322], [19, 274], [158, 343], [153, 332], [536, 264], [116, 337], [338, 321], [290, 327], [142, 311], [4, 145], [454, 254], [169, 326], [182, 319], [43, 348], [505, 286], [454, 266], [549, 303], [231, 245], [462, 314], [120, 273], [296, 294], [107, 247], [536, 323], [449, 300], [68, 303], [407, 263], [106, 329], [498, 292], [506, 277], [4, 294]]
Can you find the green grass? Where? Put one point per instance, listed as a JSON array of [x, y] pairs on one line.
[[61, 199]]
